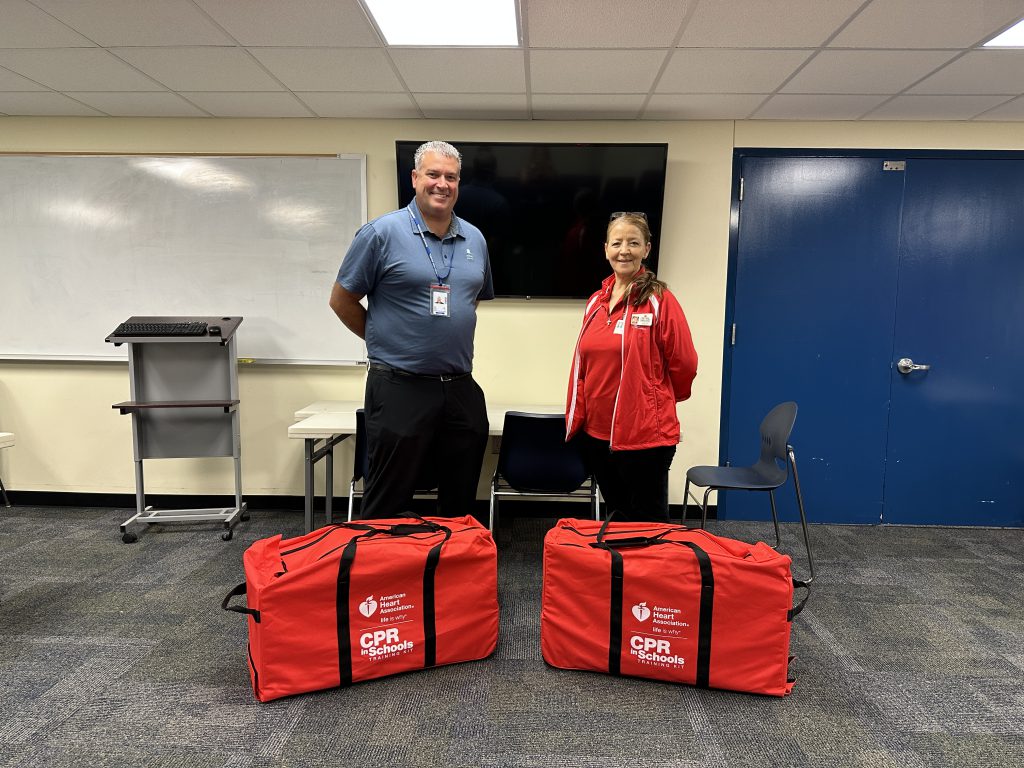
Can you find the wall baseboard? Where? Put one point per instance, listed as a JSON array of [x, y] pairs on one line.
[[530, 508]]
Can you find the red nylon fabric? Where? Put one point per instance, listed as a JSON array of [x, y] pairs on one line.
[[293, 583], [661, 598]]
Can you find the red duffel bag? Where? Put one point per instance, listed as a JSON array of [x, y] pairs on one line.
[[661, 601], [362, 600]]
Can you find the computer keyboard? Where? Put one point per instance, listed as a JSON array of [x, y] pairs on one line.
[[192, 328]]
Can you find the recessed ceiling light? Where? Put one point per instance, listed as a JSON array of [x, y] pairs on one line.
[[1011, 38], [446, 22]]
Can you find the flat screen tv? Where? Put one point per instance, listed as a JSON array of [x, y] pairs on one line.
[[544, 207]]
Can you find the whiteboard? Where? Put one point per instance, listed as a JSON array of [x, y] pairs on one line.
[[88, 241]]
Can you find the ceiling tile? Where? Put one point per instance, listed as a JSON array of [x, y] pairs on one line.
[[702, 106], [927, 23], [25, 26], [708, 70], [997, 71], [330, 69], [296, 23], [473, 106], [604, 23], [766, 23], [586, 106], [373, 105], [594, 71], [75, 69], [120, 104], [12, 82], [828, 107], [52, 104], [844, 71], [138, 22], [935, 107], [462, 70], [200, 69], [248, 104], [1012, 110]]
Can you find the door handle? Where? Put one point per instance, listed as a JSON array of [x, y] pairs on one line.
[[906, 365]]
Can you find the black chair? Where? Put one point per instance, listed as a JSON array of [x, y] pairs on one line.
[[535, 461], [426, 485], [770, 472], [6, 441]]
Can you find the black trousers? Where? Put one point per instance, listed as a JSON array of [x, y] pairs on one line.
[[422, 432], [634, 484]]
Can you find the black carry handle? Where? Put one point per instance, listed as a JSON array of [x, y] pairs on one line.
[[623, 543], [795, 610], [239, 590]]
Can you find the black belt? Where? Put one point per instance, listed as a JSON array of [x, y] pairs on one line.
[[429, 376]]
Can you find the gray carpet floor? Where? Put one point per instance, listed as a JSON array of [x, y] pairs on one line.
[[910, 653]]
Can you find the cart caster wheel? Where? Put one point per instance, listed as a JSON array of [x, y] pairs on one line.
[[129, 538], [227, 535]]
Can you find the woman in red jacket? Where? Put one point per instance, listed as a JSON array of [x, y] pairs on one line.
[[634, 361]]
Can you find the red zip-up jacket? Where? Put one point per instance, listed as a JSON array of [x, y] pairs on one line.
[[659, 364]]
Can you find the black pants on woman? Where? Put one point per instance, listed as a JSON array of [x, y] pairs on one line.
[[634, 484]]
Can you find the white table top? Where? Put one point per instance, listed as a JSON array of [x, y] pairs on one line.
[[326, 418]]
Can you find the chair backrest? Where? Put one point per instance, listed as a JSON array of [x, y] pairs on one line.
[[534, 456], [427, 480], [775, 430]]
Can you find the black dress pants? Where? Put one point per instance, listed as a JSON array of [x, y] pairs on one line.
[[422, 432], [634, 484]]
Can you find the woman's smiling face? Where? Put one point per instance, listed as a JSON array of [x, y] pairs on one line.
[[625, 249]]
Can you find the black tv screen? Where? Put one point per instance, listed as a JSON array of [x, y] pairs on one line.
[[544, 208]]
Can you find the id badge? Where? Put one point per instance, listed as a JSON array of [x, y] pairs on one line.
[[439, 295]]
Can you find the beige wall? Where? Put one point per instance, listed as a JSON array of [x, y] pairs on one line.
[[69, 439]]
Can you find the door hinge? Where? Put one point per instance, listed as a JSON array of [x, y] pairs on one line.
[[733, 341], [741, 189]]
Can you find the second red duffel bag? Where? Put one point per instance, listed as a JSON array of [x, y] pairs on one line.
[[667, 602], [362, 600]]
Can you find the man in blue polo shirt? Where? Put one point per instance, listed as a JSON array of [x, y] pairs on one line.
[[422, 270]]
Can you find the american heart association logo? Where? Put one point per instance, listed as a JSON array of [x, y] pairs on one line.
[[641, 611], [369, 606]]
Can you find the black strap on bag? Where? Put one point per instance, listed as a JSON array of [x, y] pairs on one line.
[[239, 590], [707, 599], [345, 563], [707, 603], [795, 610]]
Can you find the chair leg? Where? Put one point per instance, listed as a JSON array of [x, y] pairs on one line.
[[686, 501], [775, 519], [493, 503], [704, 508], [3, 491], [803, 517]]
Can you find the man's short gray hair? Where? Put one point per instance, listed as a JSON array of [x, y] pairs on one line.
[[442, 148]]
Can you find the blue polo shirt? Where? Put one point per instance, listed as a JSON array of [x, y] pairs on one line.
[[387, 262]]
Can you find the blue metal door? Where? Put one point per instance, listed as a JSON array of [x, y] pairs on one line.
[[841, 270], [813, 305], [956, 431]]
